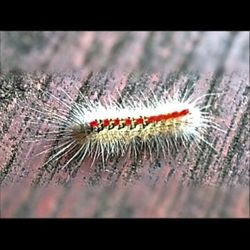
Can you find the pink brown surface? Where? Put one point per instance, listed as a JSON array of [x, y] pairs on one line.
[[194, 184]]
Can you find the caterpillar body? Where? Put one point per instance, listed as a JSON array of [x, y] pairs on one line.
[[106, 129]]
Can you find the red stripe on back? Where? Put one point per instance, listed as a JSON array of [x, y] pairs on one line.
[[162, 117], [184, 112], [106, 122], [128, 122], [150, 119], [93, 124], [139, 121], [116, 122]]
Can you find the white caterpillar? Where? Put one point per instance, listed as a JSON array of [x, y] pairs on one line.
[[139, 124]]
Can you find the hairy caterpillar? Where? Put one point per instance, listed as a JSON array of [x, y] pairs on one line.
[[106, 129]]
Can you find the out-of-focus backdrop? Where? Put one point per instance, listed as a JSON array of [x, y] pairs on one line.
[[208, 184]]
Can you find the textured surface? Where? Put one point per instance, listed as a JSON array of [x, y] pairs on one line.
[[207, 184]]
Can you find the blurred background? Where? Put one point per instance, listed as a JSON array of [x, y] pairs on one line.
[[136, 51], [96, 63]]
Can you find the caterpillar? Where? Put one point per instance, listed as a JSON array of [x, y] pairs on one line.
[[111, 128]]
